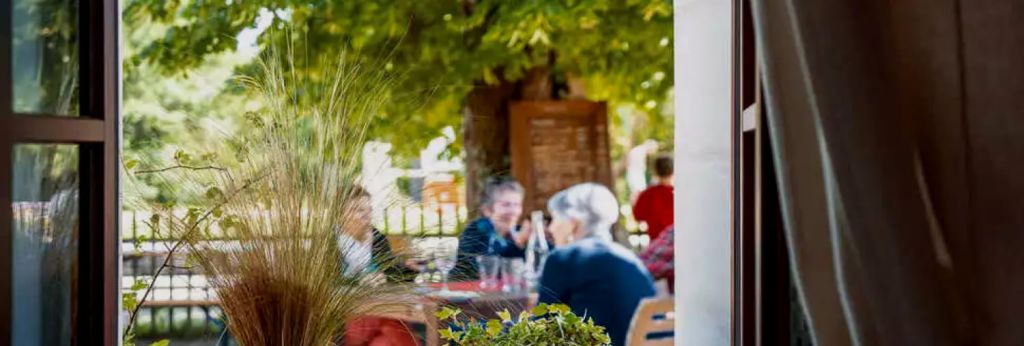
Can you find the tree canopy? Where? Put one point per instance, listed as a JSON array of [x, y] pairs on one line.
[[621, 49]]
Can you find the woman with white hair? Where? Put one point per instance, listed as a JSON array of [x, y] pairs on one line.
[[595, 276]]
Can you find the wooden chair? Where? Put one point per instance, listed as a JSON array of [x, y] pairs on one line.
[[400, 244], [653, 323]]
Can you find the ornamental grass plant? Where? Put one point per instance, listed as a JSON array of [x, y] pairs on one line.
[[266, 231]]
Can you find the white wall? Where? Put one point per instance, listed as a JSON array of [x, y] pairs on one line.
[[703, 61]]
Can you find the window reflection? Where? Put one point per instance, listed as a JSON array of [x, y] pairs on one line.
[[44, 59], [45, 243]]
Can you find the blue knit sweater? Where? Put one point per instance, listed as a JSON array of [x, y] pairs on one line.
[[599, 279]]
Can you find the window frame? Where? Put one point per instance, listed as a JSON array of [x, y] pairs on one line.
[[96, 131]]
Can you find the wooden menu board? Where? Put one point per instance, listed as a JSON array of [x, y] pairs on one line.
[[557, 144]]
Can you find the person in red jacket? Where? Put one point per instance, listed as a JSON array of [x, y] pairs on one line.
[[654, 205]]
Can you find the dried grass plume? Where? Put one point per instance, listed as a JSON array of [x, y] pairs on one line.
[[279, 277]]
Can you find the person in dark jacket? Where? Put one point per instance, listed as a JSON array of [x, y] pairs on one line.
[[595, 276], [501, 203]]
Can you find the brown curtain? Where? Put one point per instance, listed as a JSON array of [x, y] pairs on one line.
[[899, 133]]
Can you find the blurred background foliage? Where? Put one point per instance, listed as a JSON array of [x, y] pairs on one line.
[[182, 102]]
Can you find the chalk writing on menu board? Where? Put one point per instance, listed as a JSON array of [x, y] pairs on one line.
[[562, 147]]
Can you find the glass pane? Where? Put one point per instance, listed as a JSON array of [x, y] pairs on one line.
[[45, 243], [45, 56]]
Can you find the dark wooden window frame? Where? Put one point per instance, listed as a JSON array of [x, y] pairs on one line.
[[744, 152], [96, 132], [762, 311], [764, 307]]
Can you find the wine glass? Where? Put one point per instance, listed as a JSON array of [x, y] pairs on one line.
[[445, 256], [421, 260]]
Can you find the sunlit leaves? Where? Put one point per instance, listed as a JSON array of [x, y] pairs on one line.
[[494, 327], [505, 316], [440, 48], [448, 313], [543, 325]]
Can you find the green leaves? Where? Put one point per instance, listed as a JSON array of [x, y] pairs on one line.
[[129, 297], [129, 301], [543, 325], [139, 284], [505, 316], [440, 48], [448, 313], [493, 328], [182, 157], [539, 310], [560, 309], [449, 334], [128, 338]]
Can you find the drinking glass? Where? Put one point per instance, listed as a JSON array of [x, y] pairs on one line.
[[422, 261], [489, 268], [445, 257], [512, 270]]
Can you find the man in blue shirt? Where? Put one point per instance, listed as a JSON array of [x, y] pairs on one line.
[[494, 234]]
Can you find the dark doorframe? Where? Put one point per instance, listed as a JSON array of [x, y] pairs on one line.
[[746, 186], [96, 132], [766, 310]]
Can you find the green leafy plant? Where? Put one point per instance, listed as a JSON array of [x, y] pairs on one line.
[[543, 325]]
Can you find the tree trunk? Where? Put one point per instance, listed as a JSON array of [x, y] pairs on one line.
[[485, 124], [486, 129]]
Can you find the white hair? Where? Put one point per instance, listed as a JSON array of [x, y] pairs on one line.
[[592, 205]]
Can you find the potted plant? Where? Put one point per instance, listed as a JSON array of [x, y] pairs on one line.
[[265, 232], [543, 325]]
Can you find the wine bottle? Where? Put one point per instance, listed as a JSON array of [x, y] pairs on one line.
[[537, 248]]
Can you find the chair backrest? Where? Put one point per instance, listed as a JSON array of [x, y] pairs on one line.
[[400, 244], [653, 323]]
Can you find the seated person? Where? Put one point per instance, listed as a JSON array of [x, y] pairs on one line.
[[366, 250], [501, 203], [595, 276], [363, 247], [658, 257]]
